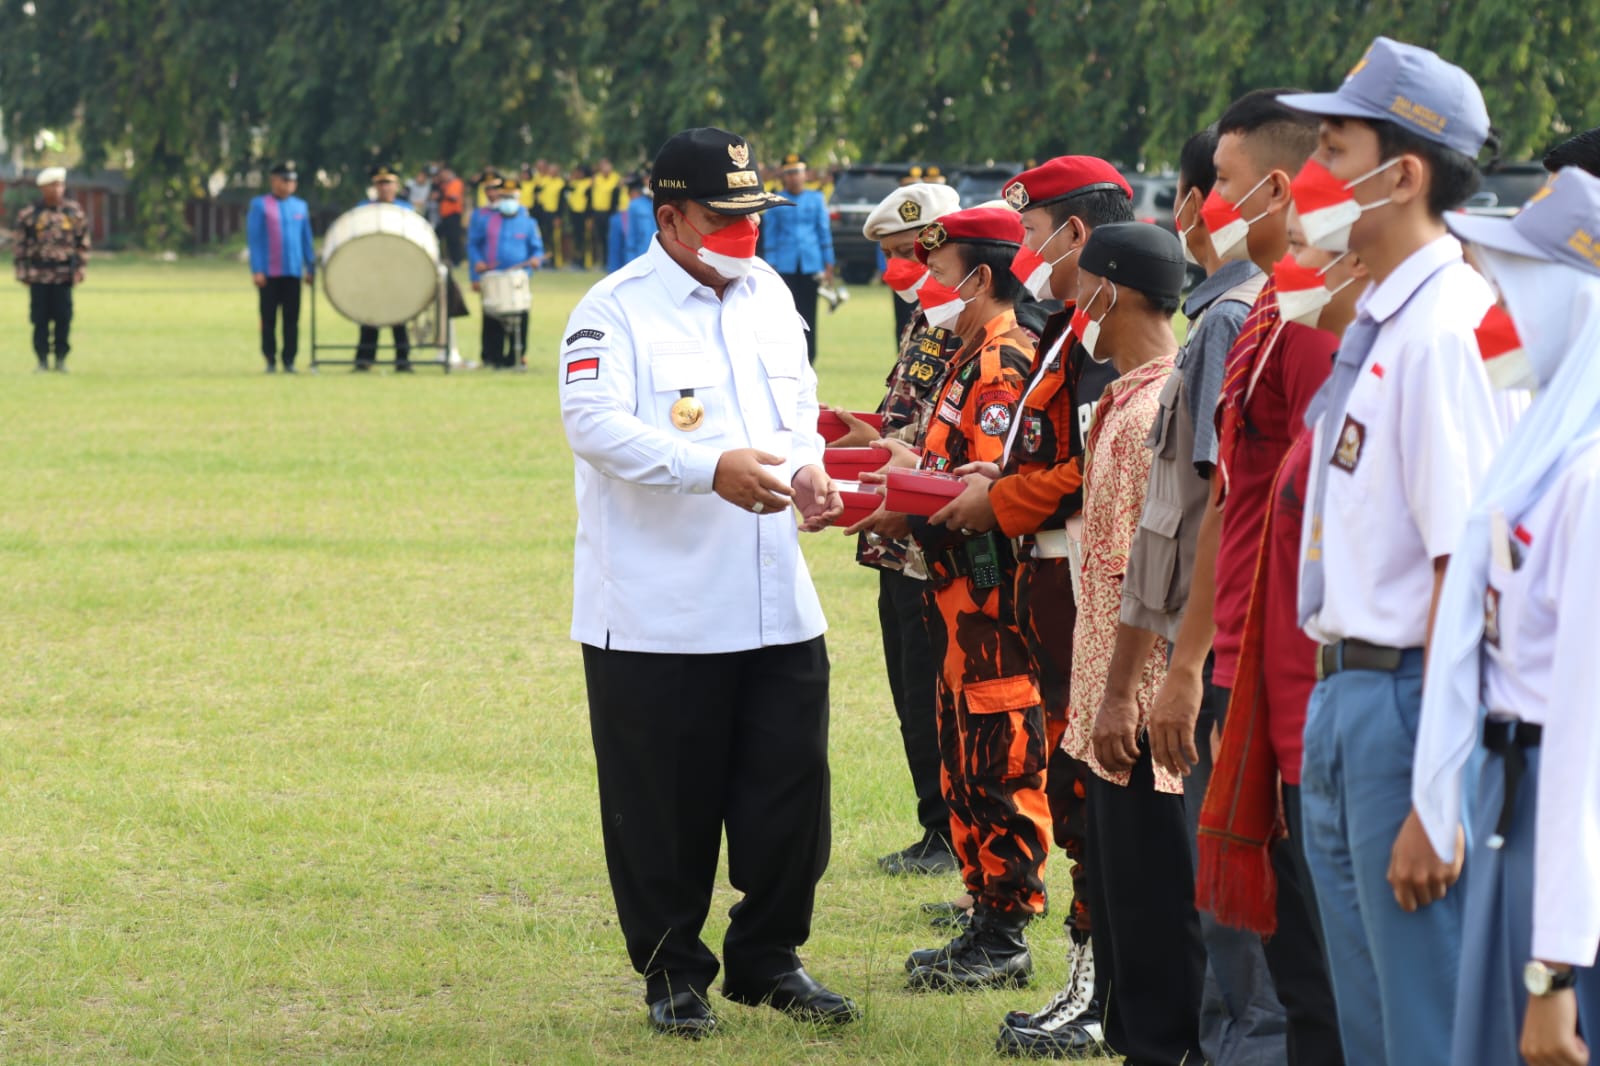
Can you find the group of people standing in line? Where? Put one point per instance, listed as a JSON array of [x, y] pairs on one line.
[[1283, 634]]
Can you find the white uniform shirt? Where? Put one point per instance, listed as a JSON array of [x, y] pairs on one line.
[[661, 563], [1540, 671], [1420, 431]]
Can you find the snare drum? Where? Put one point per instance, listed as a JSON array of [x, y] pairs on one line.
[[505, 292], [380, 264]]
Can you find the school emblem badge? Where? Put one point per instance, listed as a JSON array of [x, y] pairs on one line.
[[1491, 616], [740, 154], [910, 211], [1347, 453], [933, 236], [1017, 195]]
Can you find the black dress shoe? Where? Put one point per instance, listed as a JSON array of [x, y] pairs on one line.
[[686, 1014], [798, 995], [926, 856]]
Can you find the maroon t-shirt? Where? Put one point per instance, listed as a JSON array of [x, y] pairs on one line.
[[1274, 416], [1287, 654]]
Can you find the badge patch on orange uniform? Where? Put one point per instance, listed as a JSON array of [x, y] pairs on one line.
[[995, 419]]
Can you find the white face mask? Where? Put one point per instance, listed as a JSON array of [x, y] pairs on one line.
[[944, 315], [1091, 330], [1328, 228], [1183, 234], [506, 206], [1229, 238]]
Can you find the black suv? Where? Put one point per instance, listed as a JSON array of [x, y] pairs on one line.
[[856, 191]]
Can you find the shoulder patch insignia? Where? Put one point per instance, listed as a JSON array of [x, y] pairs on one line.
[[587, 334], [995, 419], [583, 369]]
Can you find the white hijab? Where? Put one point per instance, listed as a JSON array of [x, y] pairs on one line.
[[1556, 309]]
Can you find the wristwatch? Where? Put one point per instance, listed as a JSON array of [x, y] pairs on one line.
[[1541, 980]]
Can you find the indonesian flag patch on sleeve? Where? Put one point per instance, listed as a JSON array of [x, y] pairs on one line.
[[583, 368]]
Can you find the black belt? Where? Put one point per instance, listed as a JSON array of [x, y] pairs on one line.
[[1357, 655], [1510, 739]]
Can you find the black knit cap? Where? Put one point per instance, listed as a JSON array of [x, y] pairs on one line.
[[1140, 255]]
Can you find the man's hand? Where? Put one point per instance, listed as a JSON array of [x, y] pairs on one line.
[[827, 275], [481, 267], [970, 510], [741, 480], [899, 455], [1172, 722], [859, 434], [1550, 1031], [1415, 872], [1115, 736], [477, 286], [260, 280], [817, 498], [310, 279], [77, 277], [890, 525]]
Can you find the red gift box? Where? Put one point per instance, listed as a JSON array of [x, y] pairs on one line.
[[848, 464], [832, 427], [921, 492], [859, 501]]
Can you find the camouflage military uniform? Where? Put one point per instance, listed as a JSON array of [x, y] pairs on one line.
[[52, 246], [991, 716]]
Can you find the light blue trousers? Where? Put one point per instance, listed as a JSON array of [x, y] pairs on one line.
[[1394, 974]]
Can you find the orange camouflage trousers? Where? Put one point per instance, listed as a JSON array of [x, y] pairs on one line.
[[991, 745], [1047, 611]]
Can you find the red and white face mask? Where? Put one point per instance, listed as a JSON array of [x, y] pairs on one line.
[[941, 304], [1303, 291], [1033, 269], [731, 250], [1327, 206], [905, 277], [1227, 226], [1504, 358]]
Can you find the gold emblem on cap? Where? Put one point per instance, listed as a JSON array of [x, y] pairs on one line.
[[688, 413], [1360, 64], [910, 211], [742, 179], [740, 154], [933, 236], [1017, 195]]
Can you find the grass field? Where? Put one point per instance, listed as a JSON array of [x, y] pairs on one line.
[[293, 745]]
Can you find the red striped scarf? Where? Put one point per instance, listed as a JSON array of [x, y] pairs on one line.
[[1239, 371]]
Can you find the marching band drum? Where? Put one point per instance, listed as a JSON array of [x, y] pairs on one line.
[[380, 265]]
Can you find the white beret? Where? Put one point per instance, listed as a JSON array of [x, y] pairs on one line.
[[51, 175], [910, 207]]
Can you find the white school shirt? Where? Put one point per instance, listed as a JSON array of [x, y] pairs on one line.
[[1420, 430], [1541, 664], [661, 563]]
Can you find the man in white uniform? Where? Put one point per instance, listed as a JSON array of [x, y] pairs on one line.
[[691, 410]]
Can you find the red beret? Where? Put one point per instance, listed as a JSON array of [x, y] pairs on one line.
[[976, 225], [1061, 177]]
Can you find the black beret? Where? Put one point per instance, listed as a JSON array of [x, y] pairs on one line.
[[1140, 255]]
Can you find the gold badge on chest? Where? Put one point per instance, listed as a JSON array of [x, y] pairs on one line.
[[688, 413]]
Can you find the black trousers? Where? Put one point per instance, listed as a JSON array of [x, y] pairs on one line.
[[452, 239], [913, 677], [50, 305], [690, 746], [367, 346], [1146, 933], [599, 237], [1294, 955], [284, 294], [500, 347], [804, 289]]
